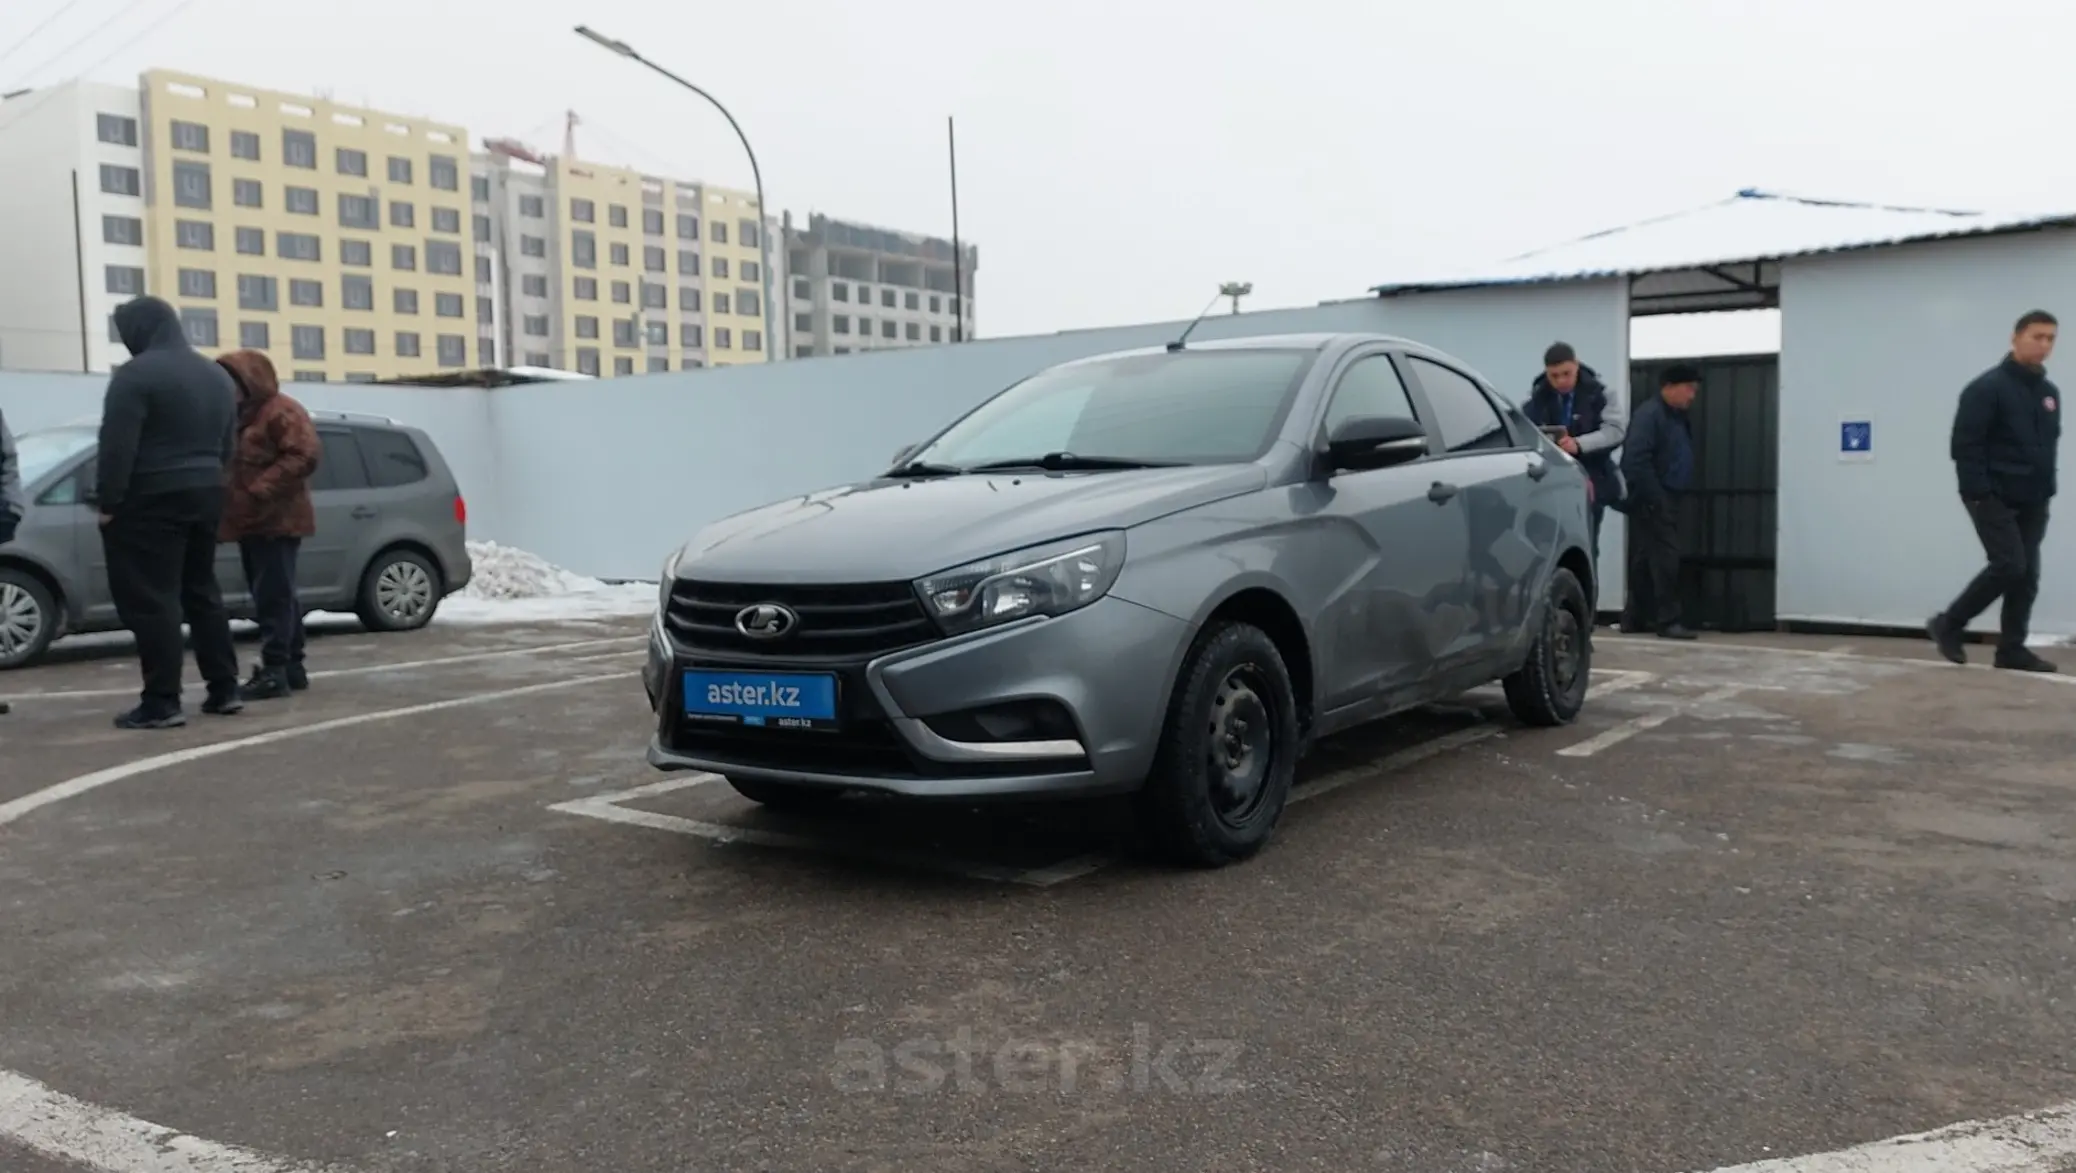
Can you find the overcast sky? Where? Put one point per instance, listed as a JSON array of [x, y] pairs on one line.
[[1119, 159]]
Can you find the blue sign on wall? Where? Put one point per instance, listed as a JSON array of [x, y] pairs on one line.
[[1855, 439]]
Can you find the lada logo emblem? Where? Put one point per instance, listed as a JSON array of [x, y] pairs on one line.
[[766, 620]]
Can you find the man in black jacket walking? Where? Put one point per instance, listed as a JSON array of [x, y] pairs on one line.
[[167, 427], [2006, 432], [1658, 463]]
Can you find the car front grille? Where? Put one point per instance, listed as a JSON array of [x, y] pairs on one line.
[[846, 621]]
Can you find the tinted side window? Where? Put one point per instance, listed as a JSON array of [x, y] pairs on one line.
[[340, 466], [1467, 420], [1369, 388], [392, 458]]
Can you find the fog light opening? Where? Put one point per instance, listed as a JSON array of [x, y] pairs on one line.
[[1010, 721]]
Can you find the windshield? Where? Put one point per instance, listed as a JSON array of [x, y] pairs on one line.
[[43, 451], [1187, 407]]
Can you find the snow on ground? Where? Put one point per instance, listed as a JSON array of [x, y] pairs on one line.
[[513, 586]]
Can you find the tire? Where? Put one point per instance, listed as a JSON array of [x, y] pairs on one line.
[[1217, 790], [1550, 687], [783, 796], [28, 618], [399, 591]]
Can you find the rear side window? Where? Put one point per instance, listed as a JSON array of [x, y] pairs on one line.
[[392, 458], [340, 467], [1467, 420]]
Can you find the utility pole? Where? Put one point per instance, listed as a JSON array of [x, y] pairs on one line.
[[1236, 290]]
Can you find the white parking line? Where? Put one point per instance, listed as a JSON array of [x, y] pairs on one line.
[[1836, 654], [2032, 1142], [331, 673], [73, 787], [59, 1126], [1636, 725]]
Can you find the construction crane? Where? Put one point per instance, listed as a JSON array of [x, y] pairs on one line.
[[515, 149]]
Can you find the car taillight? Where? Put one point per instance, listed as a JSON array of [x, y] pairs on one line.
[[461, 510]]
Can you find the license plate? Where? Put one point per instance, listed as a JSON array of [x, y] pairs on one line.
[[780, 700]]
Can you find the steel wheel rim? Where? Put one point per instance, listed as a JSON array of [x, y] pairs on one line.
[[1241, 751], [1567, 649], [403, 590], [21, 620]]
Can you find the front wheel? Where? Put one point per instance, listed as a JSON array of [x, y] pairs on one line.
[[1228, 752], [399, 591], [1550, 687], [28, 618]]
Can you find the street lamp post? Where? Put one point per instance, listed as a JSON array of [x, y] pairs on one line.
[[1236, 290], [763, 227]]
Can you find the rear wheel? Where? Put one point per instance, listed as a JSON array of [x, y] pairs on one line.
[[28, 618], [1228, 752], [1550, 687], [786, 796], [399, 591]]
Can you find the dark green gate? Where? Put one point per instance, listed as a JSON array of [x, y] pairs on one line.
[[1728, 523]]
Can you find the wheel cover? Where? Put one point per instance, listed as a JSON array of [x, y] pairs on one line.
[[21, 620], [1241, 750], [1567, 649], [403, 590]]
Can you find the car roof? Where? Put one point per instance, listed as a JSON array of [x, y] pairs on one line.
[[1306, 341]]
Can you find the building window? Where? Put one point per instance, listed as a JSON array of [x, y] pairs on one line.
[[482, 270], [936, 304], [691, 335], [303, 201], [481, 224], [195, 234], [399, 170], [623, 332], [621, 255], [191, 185], [404, 301], [912, 301], [652, 221], [190, 136], [840, 324], [258, 293], [623, 293], [442, 172], [688, 263], [801, 290], [617, 214], [657, 333], [298, 246], [584, 288], [357, 341], [533, 206], [583, 212], [688, 299], [404, 257], [248, 193], [357, 211], [305, 292], [721, 304], [658, 365], [655, 260], [722, 339], [200, 325], [838, 291], [122, 230], [719, 232], [114, 128], [406, 344], [198, 283], [803, 323], [479, 188], [533, 285], [357, 292], [403, 214], [358, 253], [914, 332], [887, 328], [746, 303], [583, 250], [587, 326], [299, 149], [447, 305], [587, 361], [351, 162], [688, 228], [453, 350], [750, 271], [753, 340], [121, 180], [254, 335], [936, 333], [719, 268], [245, 145], [865, 327], [447, 220], [655, 296], [533, 246], [307, 377], [748, 233], [125, 280], [623, 366], [306, 341], [538, 358], [443, 256], [535, 325]]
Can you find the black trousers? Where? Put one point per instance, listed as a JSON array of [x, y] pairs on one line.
[[2011, 536], [1654, 564], [270, 570], [161, 569]]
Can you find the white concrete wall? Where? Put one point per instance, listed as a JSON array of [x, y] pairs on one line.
[[1892, 336], [606, 477]]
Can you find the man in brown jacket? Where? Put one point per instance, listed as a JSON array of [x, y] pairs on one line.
[[268, 513]]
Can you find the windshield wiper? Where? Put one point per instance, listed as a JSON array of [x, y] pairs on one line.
[[1069, 462], [923, 468]]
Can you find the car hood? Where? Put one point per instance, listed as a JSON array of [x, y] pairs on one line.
[[890, 530]]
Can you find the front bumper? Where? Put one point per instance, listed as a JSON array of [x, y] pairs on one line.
[[1106, 667]]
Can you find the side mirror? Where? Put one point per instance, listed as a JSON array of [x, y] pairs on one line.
[[1373, 441]]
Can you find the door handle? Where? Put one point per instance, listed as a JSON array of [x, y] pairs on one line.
[[1439, 492], [363, 512], [1538, 469]]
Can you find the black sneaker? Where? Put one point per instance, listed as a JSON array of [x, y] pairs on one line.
[[150, 717], [267, 684], [223, 700], [2024, 660], [1946, 639], [298, 677]]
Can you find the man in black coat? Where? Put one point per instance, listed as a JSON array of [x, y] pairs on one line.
[[1570, 395], [167, 429], [1658, 464], [2006, 432]]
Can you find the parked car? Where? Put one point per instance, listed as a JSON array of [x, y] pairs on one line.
[[390, 542], [1161, 573]]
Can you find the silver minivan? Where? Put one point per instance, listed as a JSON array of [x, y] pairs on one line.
[[390, 541]]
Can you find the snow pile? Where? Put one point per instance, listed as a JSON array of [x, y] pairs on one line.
[[513, 586]]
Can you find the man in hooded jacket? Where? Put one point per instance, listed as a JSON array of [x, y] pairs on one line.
[[269, 513], [167, 429]]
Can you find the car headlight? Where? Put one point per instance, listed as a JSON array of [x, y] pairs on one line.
[[1042, 580]]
